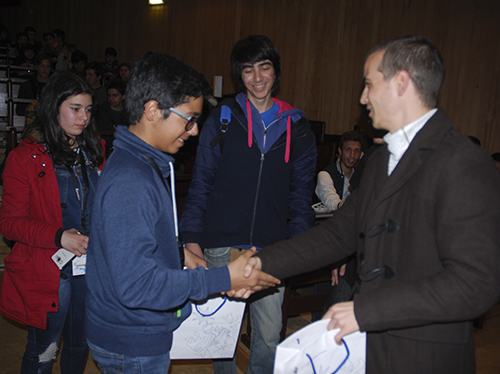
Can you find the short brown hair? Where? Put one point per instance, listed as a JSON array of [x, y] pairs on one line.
[[420, 58]]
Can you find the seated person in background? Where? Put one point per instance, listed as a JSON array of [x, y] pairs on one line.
[[496, 160], [64, 58], [31, 32], [5, 42], [333, 181], [124, 71], [59, 39], [21, 39], [93, 77], [333, 188], [110, 66], [112, 113], [33, 86], [26, 57], [50, 46], [79, 61]]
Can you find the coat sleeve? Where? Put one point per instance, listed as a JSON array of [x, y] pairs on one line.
[[325, 244], [204, 172], [22, 208], [300, 212]]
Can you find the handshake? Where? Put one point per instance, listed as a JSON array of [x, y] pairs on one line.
[[246, 277]]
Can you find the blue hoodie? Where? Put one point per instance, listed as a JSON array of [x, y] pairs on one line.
[[137, 293], [257, 190]]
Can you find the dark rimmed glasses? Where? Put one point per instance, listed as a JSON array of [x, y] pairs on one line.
[[191, 121]]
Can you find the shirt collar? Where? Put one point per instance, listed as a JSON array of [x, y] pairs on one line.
[[398, 142]]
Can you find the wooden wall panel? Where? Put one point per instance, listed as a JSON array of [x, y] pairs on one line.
[[322, 43]]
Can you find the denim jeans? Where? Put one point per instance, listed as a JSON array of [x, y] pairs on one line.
[[110, 362], [42, 345], [265, 318]]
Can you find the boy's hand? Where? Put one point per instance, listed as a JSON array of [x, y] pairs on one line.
[[243, 285], [192, 261], [195, 248]]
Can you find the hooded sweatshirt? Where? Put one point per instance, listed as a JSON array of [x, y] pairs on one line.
[[138, 293], [246, 192]]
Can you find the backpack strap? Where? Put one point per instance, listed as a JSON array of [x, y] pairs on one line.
[[225, 119]]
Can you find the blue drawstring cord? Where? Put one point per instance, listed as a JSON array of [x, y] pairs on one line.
[[340, 366], [215, 311]]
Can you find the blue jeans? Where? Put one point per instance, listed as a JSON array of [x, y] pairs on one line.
[[42, 345], [265, 318], [110, 362]]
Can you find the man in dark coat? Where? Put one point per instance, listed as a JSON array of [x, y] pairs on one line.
[[424, 224]]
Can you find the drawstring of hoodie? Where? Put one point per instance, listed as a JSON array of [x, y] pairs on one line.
[[249, 115], [288, 138], [288, 131], [174, 202]]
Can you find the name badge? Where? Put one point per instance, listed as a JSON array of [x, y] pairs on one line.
[[79, 264]]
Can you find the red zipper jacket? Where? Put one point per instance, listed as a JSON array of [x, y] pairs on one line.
[[31, 215]]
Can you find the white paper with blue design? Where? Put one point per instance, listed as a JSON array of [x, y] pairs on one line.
[[313, 350], [211, 331]]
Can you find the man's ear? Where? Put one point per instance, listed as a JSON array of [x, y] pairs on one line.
[[151, 109], [402, 81]]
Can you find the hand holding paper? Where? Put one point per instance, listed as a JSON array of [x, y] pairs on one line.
[[342, 316], [243, 285]]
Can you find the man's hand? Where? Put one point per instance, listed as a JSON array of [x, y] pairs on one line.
[[342, 316], [252, 263], [244, 283], [336, 273], [74, 242], [192, 261], [195, 248]]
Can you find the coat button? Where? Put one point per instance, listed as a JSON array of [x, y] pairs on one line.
[[362, 235], [64, 276], [54, 305]]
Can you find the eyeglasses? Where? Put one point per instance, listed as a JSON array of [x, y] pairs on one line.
[[191, 121]]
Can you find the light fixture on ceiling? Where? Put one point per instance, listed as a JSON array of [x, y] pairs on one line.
[[155, 2]]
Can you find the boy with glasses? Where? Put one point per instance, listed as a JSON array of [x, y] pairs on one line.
[[138, 293]]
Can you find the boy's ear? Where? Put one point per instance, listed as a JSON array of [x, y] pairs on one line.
[[151, 109]]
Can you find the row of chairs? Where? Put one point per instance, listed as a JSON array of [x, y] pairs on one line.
[[11, 123]]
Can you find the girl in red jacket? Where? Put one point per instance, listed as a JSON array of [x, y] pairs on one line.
[[49, 184]]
